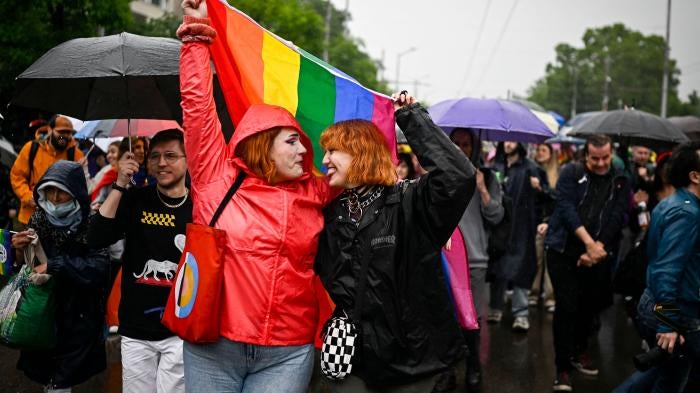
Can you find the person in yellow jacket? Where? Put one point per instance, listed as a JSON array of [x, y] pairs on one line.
[[37, 156]]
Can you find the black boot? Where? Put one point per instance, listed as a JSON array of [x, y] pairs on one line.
[[473, 374]]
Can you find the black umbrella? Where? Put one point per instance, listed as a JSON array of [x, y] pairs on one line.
[[632, 127], [689, 124], [113, 77]]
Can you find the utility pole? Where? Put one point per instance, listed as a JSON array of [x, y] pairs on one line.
[[574, 84], [606, 81], [381, 66], [327, 38], [419, 82], [398, 64], [667, 49]]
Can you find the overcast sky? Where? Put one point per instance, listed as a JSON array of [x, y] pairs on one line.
[[517, 40]]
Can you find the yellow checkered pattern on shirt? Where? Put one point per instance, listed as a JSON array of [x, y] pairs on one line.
[[162, 219]]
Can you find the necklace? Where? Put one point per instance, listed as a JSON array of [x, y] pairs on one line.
[[356, 207], [175, 206]]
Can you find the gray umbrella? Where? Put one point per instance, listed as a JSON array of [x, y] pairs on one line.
[[632, 127], [7, 152], [113, 77], [689, 124]]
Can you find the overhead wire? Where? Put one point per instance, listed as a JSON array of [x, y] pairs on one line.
[[474, 49], [498, 43]]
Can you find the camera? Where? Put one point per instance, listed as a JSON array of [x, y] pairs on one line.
[[653, 357]]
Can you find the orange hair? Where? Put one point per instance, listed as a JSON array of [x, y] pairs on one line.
[[371, 163], [255, 152]]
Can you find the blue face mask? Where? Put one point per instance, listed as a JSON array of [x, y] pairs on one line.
[[61, 210]]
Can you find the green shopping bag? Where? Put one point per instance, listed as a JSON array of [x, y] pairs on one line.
[[27, 313]]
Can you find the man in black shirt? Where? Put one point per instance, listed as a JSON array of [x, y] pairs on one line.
[[591, 203], [152, 221]]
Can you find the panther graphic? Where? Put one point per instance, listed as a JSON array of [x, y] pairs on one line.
[[154, 267], [165, 268]]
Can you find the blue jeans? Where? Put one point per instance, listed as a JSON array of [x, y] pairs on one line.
[[519, 306], [230, 366], [673, 374]]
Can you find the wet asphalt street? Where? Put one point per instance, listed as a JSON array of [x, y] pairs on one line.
[[513, 363]]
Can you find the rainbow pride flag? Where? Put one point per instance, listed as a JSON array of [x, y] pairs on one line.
[[256, 66], [5, 253]]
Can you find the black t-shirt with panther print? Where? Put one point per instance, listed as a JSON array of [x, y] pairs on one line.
[[154, 237]]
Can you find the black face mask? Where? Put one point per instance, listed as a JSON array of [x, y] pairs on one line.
[[55, 142]]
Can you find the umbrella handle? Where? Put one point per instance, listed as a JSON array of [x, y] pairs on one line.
[[128, 136]]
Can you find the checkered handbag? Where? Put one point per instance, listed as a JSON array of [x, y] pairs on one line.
[[338, 349]]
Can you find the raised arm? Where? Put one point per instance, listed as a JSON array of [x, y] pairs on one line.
[[204, 142], [441, 195]]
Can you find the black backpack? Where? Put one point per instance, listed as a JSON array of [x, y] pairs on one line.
[[35, 148]]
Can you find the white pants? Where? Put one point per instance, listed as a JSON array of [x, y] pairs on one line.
[[152, 366]]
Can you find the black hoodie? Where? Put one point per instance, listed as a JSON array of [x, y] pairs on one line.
[[81, 276]]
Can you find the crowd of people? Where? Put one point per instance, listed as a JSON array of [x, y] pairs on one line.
[[537, 224]]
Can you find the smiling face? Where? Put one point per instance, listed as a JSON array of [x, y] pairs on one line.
[[599, 158], [167, 163], [338, 164], [113, 155], [62, 133], [287, 154]]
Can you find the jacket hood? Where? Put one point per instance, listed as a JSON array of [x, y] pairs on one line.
[[476, 144], [70, 174], [501, 154], [262, 117], [41, 132]]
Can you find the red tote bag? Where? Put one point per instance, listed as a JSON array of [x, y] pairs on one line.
[[192, 310]]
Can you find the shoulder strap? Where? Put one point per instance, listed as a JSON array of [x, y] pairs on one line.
[[578, 171], [32, 155], [231, 191], [71, 153]]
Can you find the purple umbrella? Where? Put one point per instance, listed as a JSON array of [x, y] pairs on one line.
[[493, 120]]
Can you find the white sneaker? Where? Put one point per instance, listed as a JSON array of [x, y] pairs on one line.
[[521, 324], [494, 316]]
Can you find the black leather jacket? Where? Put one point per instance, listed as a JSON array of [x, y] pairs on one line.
[[408, 328]]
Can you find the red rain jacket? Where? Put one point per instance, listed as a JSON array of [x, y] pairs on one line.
[[269, 292]]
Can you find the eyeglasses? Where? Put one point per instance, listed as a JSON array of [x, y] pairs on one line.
[[170, 157]]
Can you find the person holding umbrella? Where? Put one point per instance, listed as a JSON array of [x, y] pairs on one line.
[[270, 308]]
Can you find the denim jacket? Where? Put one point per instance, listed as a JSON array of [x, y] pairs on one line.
[[673, 274], [570, 193]]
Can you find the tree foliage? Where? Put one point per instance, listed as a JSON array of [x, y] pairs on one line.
[[634, 64], [31, 28]]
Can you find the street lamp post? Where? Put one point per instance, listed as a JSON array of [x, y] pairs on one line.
[[667, 49], [398, 63]]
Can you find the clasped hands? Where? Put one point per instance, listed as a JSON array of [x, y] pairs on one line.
[[595, 253]]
